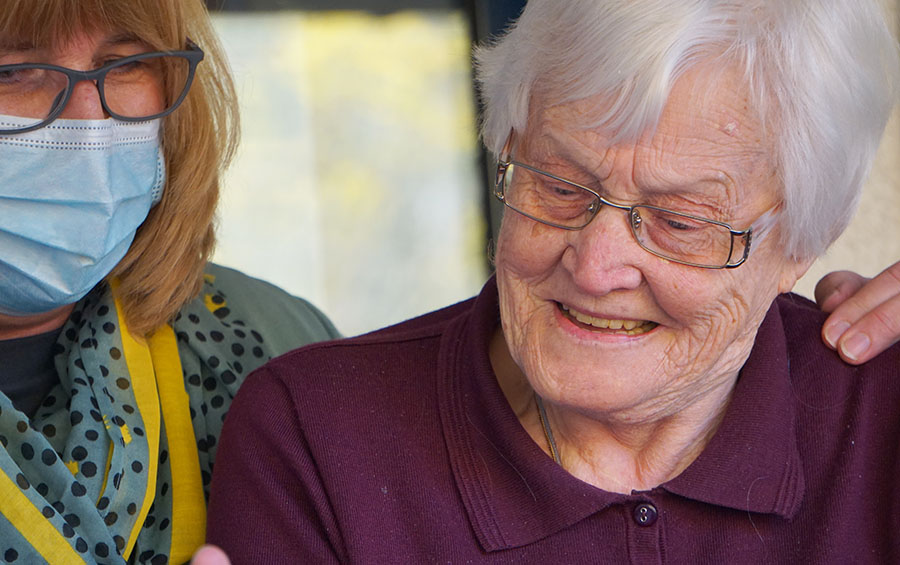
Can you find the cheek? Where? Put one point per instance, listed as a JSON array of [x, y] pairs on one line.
[[717, 314], [528, 253], [152, 101], [527, 249]]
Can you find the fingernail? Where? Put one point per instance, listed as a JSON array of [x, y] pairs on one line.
[[854, 346], [834, 332]]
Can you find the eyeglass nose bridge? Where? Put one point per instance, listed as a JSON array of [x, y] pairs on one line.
[[95, 76], [88, 76], [74, 79], [634, 216]]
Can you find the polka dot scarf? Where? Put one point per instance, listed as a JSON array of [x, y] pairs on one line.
[[115, 465]]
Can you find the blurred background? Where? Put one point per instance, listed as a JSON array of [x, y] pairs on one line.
[[361, 184]]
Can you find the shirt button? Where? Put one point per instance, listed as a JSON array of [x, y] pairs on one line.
[[645, 514]]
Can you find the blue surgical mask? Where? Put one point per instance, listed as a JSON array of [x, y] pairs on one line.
[[72, 195]]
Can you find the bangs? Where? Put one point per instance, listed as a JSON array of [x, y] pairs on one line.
[[50, 23]]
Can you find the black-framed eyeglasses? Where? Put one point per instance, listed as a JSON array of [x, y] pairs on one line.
[[674, 236], [136, 88]]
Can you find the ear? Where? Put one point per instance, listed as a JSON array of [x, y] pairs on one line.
[[792, 271], [507, 147]]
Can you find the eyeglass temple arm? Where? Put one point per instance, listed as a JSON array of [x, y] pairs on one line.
[[754, 235]]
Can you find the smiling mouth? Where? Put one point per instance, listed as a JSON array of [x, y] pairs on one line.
[[623, 327]]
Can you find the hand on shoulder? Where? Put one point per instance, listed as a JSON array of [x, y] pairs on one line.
[[865, 313]]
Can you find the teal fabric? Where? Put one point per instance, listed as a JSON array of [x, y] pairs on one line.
[[235, 325]]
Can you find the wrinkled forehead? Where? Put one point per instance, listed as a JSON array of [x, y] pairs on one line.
[[629, 105], [708, 103], [708, 141]]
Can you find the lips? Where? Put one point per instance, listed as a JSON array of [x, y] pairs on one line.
[[609, 325]]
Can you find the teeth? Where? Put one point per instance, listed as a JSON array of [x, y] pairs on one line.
[[631, 327]]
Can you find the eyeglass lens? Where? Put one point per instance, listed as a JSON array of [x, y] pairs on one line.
[[682, 238], [137, 89], [666, 233]]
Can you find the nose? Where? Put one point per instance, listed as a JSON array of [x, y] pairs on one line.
[[603, 256], [84, 103]]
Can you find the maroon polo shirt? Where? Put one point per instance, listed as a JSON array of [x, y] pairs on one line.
[[399, 447]]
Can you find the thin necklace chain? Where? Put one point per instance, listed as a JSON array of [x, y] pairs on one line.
[[548, 433]]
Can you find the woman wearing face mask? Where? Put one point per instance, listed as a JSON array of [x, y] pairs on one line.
[[120, 347]]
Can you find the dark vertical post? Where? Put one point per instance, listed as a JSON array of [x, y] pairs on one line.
[[488, 18]]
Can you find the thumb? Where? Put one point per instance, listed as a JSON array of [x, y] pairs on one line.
[[836, 287], [210, 555]]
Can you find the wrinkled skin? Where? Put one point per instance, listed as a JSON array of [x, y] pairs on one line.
[[631, 411]]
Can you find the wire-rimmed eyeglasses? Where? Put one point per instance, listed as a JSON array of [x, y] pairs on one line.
[[136, 88], [674, 236]]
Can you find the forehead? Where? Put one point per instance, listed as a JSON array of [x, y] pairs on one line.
[[707, 135]]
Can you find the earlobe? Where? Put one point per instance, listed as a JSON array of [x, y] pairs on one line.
[[793, 270]]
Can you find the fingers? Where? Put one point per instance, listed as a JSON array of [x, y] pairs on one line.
[[865, 319], [836, 287], [210, 555]]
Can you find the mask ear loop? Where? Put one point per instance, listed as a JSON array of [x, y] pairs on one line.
[[156, 192]]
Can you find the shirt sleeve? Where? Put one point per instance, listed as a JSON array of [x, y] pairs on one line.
[[267, 503]]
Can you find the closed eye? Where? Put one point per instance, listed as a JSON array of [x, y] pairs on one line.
[[564, 190], [681, 226], [10, 77]]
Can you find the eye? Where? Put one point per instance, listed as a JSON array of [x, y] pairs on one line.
[[125, 68], [680, 225], [17, 75], [564, 190]]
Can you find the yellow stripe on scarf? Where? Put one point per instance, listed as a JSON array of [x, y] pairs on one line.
[[188, 502], [143, 383], [155, 368], [36, 529]]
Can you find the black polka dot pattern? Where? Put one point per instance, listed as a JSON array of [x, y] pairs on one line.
[[60, 458]]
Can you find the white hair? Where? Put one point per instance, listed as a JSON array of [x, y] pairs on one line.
[[822, 74]]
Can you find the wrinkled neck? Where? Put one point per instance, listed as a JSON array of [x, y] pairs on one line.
[[633, 455], [617, 452]]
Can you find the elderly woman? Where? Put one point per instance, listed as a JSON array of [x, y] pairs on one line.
[[630, 387], [120, 347]]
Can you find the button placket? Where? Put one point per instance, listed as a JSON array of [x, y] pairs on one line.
[[645, 514], [644, 530]]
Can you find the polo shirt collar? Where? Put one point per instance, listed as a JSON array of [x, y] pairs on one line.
[[514, 494], [752, 463]]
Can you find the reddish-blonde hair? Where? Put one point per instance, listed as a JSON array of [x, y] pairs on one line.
[[162, 270]]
